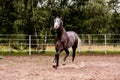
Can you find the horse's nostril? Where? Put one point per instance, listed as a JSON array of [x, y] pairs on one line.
[[55, 27]]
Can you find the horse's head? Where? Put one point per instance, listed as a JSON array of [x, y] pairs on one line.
[[57, 23]]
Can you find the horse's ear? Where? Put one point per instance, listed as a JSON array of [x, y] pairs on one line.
[[57, 16], [60, 17], [54, 17]]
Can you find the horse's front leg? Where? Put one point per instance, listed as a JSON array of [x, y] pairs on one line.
[[67, 54], [56, 59]]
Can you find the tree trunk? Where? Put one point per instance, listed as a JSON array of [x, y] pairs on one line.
[[36, 35], [45, 41]]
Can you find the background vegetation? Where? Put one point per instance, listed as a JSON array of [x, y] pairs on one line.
[[35, 17], [82, 16]]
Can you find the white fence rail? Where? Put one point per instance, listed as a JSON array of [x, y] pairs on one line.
[[31, 43]]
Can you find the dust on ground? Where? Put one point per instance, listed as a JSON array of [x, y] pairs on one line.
[[39, 67]]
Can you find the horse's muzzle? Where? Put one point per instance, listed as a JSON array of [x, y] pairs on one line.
[[55, 28]]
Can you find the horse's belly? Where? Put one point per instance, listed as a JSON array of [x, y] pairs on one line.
[[72, 38], [70, 44]]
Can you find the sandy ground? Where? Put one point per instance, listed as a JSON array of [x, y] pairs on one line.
[[105, 67]]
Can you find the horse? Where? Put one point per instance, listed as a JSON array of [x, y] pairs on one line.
[[63, 41]]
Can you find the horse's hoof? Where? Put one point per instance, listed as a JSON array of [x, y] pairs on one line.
[[54, 66], [63, 63]]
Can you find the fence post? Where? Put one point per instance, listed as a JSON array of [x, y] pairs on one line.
[[45, 41], [9, 46], [105, 43], [89, 42], [21, 47], [29, 44]]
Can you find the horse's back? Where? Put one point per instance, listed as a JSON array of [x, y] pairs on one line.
[[72, 34]]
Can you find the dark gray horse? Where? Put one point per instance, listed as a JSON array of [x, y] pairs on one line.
[[64, 40]]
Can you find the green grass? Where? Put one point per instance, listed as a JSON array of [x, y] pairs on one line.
[[51, 53], [99, 53], [15, 52]]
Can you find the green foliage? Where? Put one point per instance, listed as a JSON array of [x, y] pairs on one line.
[[96, 17], [81, 16], [115, 26]]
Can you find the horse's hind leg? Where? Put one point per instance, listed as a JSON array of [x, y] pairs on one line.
[[73, 55]]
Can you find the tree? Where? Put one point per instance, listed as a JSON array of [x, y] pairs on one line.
[[36, 16], [96, 15], [115, 16], [7, 17], [114, 5]]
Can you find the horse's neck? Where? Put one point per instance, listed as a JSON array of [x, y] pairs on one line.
[[60, 32]]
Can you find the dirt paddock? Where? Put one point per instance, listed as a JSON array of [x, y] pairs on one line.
[[105, 67]]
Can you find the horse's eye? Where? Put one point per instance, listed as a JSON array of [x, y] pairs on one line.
[[54, 20]]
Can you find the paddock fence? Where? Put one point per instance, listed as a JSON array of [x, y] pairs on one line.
[[32, 43]]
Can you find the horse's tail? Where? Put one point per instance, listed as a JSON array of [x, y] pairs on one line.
[[79, 44]]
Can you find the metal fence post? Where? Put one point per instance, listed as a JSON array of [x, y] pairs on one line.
[[9, 46], [89, 42], [29, 44], [105, 43]]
